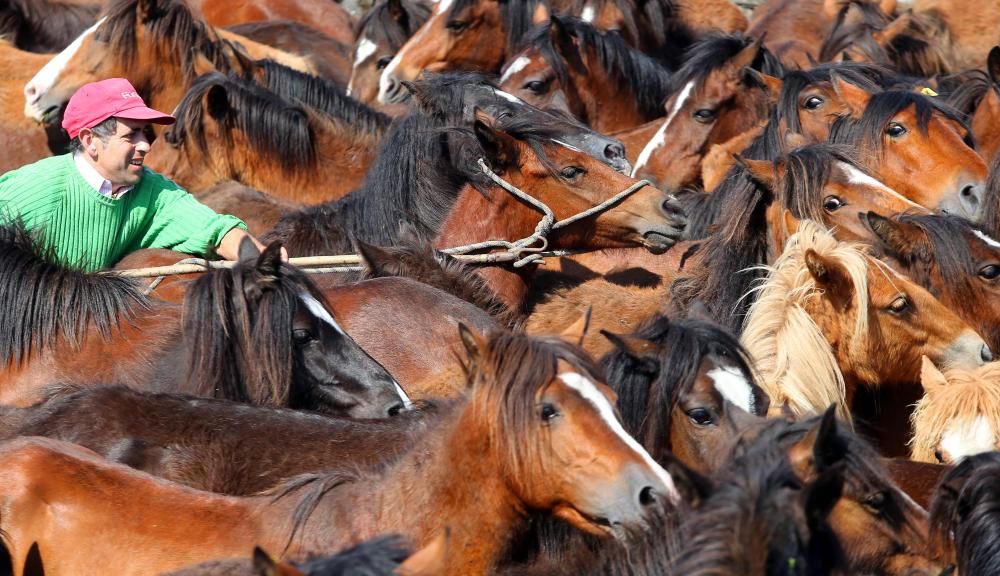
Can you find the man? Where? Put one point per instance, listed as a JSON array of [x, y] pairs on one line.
[[99, 203]]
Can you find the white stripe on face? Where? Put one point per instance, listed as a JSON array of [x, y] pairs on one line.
[[365, 49], [569, 146], [989, 241], [45, 78], [516, 66], [508, 97], [587, 14], [859, 178], [965, 439], [590, 393], [383, 82], [661, 135], [733, 386]]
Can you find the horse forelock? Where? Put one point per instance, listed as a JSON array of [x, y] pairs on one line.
[[867, 132], [42, 301], [381, 24], [969, 394]]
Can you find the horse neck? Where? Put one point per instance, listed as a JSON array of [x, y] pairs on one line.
[[610, 104], [449, 481], [495, 215]]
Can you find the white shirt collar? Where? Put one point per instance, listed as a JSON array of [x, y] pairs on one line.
[[94, 178]]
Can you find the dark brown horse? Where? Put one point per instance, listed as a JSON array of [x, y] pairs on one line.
[[329, 58], [329, 18], [46, 25], [517, 444], [380, 34]]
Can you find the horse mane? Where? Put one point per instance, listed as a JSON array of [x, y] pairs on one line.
[[991, 212], [648, 388], [965, 90], [42, 300], [322, 95], [645, 77], [169, 22], [947, 235], [968, 395], [516, 16], [46, 25], [795, 361], [867, 132], [380, 25], [274, 127], [958, 498], [713, 51], [807, 171], [735, 215], [241, 350]]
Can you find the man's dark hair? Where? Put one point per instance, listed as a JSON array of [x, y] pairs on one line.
[[103, 131]]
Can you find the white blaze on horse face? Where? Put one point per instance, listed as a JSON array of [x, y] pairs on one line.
[[508, 97], [45, 78], [516, 66], [859, 178], [989, 241], [384, 81], [365, 50], [661, 135], [733, 386], [568, 146], [964, 439], [587, 14], [590, 393]]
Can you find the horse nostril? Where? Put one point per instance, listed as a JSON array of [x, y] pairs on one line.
[[939, 456], [647, 497], [968, 191], [986, 354], [614, 151], [396, 409]]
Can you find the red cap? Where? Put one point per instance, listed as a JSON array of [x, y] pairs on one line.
[[96, 102]]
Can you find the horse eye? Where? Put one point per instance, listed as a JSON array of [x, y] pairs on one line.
[[832, 203], [813, 102], [700, 416], [383, 62], [704, 115], [572, 172], [302, 336], [456, 26], [899, 305], [549, 412], [535, 87], [895, 130], [989, 272], [875, 501]]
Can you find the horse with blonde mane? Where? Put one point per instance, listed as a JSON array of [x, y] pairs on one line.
[[959, 414], [830, 318]]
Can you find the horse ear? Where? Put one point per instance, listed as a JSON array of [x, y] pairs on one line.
[[993, 64], [854, 98], [248, 250], [269, 262], [821, 448], [895, 238], [577, 331], [500, 146], [772, 84], [764, 172], [217, 102], [541, 14], [565, 44], [631, 345], [832, 276], [885, 36], [747, 55], [475, 345], [888, 7], [429, 560], [789, 222], [378, 261], [930, 376]]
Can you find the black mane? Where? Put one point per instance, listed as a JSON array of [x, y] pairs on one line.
[[515, 16], [42, 301], [45, 25], [393, 22], [713, 52]]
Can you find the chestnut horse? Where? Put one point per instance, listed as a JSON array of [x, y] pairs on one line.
[[963, 514], [475, 35], [330, 18], [569, 65], [258, 333], [537, 432], [46, 25], [831, 318], [23, 140], [957, 263], [380, 34], [329, 58], [978, 97], [959, 414]]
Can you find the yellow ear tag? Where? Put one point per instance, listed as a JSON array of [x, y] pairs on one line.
[[928, 92]]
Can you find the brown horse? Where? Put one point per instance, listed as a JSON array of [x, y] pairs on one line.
[[966, 33], [22, 140], [329, 18], [46, 25], [517, 444], [461, 35], [959, 414], [329, 58], [380, 34], [159, 45], [957, 263], [569, 65], [831, 318], [978, 96]]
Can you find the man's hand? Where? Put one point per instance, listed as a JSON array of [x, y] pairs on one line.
[[229, 248]]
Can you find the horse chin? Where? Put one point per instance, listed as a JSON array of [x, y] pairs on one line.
[[657, 242], [596, 526]]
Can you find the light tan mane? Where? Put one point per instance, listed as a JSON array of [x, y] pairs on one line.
[[967, 395], [796, 363]]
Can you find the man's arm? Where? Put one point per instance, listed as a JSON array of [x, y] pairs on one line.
[[229, 247]]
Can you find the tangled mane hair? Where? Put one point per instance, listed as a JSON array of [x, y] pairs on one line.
[[645, 77], [807, 171], [274, 127], [43, 301], [953, 506], [649, 387], [991, 212], [966, 89], [393, 22], [970, 394], [796, 363], [713, 51], [237, 331]]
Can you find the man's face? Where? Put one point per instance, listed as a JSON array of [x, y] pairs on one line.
[[120, 158]]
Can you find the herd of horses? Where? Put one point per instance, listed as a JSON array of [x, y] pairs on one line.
[[745, 324]]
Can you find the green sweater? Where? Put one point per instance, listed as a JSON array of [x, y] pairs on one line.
[[91, 231]]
